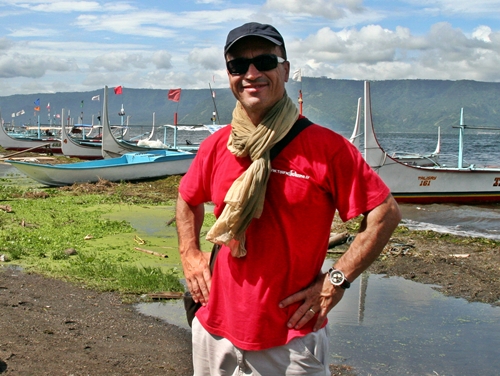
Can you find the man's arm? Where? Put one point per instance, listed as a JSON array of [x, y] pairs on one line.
[[376, 229], [195, 263]]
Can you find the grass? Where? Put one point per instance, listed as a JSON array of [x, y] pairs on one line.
[[44, 224]]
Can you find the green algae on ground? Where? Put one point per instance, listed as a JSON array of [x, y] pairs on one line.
[[37, 232]]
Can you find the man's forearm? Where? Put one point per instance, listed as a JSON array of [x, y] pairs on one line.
[[189, 220], [376, 230]]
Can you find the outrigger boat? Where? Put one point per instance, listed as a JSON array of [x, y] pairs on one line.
[[413, 159], [428, 185], [49, 144], [128, 167], [113, 147], [79, 148]]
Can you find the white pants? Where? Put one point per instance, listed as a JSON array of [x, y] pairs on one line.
[[217, 356]]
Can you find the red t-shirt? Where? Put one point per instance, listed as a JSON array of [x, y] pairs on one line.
[[318, 173]]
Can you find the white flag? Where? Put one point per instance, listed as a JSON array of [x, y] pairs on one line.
[[19, 113], [13, 114], [96, 98], [297, 75]]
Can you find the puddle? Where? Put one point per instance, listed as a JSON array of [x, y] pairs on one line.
[[391, 326]]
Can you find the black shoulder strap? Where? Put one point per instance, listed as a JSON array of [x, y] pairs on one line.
[[298, 127]]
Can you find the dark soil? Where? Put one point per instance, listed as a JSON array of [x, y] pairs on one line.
[[51, 327], [463, 267]]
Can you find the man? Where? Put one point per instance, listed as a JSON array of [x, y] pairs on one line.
[[264, 307]]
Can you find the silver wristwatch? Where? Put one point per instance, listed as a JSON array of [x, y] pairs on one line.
[[337, 278]]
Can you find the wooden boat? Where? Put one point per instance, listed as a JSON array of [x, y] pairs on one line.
[[113, 147], [49, 144], [427, 185], [128, 167], [79, 148], [413, 159]]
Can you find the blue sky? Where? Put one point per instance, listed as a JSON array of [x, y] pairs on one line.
[[65, 45]]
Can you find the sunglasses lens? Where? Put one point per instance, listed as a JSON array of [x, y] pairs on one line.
[[263, 63], [238, 66]]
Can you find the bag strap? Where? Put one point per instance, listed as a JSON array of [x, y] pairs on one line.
[[213, 255], [297, 127]]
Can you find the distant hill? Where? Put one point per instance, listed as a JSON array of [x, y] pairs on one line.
[[398, 105]]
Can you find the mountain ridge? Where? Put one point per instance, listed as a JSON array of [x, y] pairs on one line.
[[397, 105]]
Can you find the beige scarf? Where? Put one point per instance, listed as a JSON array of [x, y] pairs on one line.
[[245, 198]]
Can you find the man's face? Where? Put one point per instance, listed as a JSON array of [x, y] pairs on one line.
[[257, 91]]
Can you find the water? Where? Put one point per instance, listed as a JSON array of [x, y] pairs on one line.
[[392, 327]]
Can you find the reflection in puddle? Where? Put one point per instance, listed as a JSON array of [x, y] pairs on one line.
[[391, 326]]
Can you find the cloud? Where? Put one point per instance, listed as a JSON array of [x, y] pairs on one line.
[[319, 8], [207, 58], [29, 32], [119, 61], [461, 7], [64, 6], [68, 6], [17, 65], [5, 44], [162, 60], [373, 52]]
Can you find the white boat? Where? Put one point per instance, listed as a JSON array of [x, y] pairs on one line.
[[79, 148], [437, 184], [413, 159], [128, 167], [46, 144], [113, 147]]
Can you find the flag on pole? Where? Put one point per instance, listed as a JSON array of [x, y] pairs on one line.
[[96, 98], [37, 108], [118, 90], [19, 113], [13, 114], [37, 102], [174, 95], [81, 104], [48, 106], [297, 75]]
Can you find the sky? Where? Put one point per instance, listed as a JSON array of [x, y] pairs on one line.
[[65, 45]]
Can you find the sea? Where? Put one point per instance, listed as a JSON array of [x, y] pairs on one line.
[[480, 148]]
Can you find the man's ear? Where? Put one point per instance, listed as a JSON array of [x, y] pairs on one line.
[[286, 65]]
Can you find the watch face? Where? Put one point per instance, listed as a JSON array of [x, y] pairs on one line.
[[336, 277]]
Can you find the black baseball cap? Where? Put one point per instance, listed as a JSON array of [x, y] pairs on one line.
[[254, 29]]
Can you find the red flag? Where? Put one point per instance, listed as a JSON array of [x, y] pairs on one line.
[[118, 90], [174, 95]]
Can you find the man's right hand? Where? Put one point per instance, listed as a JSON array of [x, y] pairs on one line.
[[196, 264], [197, 272]]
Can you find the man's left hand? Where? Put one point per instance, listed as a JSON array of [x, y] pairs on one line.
[[319, 298]]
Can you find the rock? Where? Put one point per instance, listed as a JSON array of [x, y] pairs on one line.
[[70, 251]]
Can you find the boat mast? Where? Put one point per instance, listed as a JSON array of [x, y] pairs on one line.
[[461, 139]]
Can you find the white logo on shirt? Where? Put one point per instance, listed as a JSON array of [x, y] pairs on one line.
[[291, 173]]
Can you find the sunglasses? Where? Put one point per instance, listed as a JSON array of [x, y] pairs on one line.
[[263, 63]]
